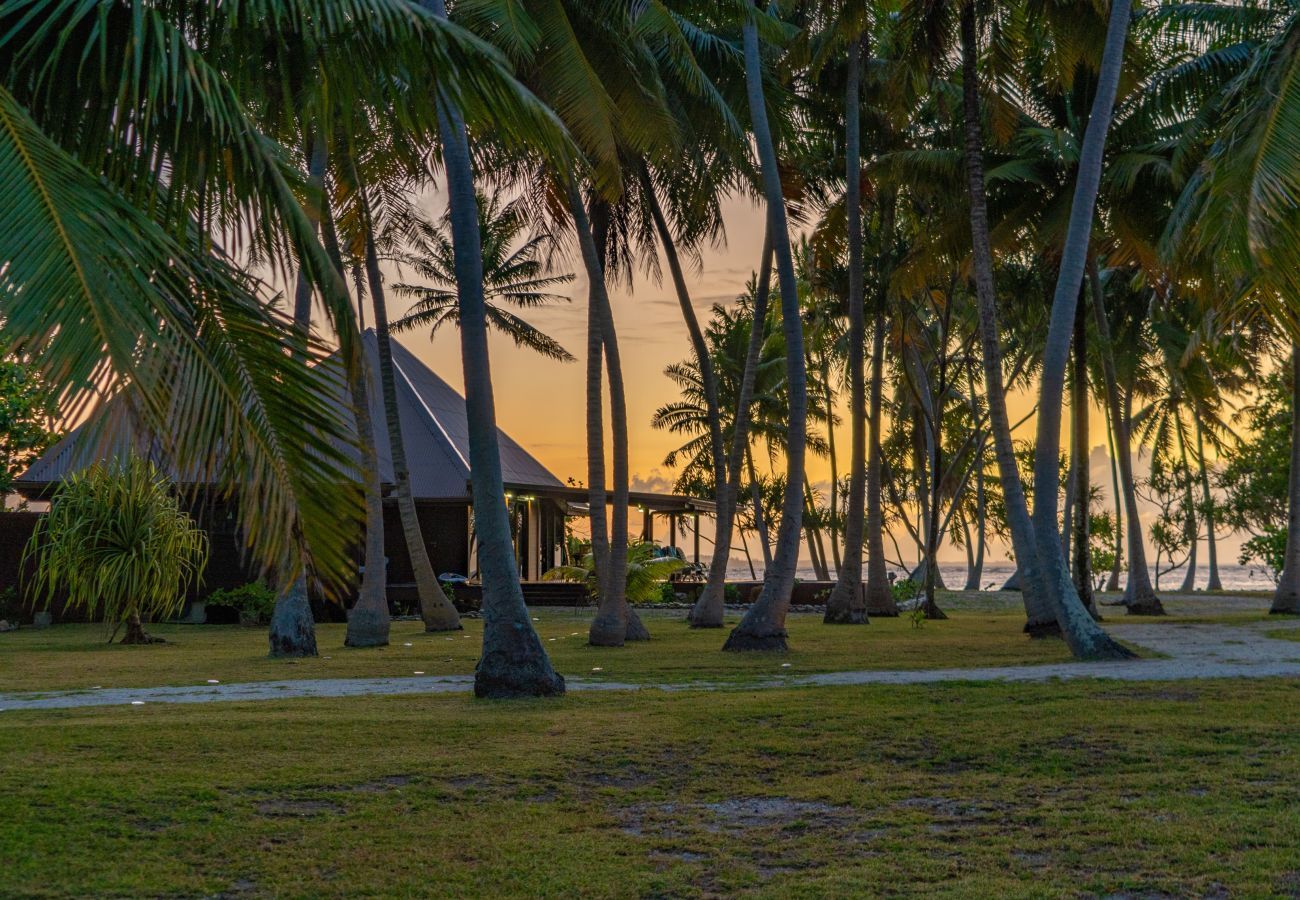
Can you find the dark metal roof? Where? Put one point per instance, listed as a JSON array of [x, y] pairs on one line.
[[434, 428]]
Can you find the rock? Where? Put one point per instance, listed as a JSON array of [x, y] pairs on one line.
[[6, 625]]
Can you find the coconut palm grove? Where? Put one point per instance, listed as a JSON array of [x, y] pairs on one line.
[[650, 448]]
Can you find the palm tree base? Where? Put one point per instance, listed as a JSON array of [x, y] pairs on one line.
[[367, 628], [514, 664], [293, 631], [434, 628], [636, 630], [1286, 602], [1152, 607], [747, 641], [846, 605], [1105, 648], [932, 611]]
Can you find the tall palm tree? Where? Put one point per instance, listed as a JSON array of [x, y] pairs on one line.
[[847, 602], [514, 662], [1085, 638], [763, 626]]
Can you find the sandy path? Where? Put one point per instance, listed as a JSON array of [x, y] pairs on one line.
[[1192, 651]]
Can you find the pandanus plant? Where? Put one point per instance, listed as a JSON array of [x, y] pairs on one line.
[[118, 543]]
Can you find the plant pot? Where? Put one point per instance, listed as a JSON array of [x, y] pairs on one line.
[[196, 613], [43, 619]]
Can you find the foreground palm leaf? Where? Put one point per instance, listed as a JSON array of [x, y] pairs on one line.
[[104, 300]]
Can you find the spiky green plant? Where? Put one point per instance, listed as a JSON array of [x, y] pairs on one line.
[[117, 541], [645, 572]]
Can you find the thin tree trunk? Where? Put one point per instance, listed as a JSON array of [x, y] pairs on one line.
[[880, 593], [1040, 617], [1139, 596], [763, 626], [1286, 598], [710, 607], [1214, 583], [1112, 582], [369, 620], [981, 521], [968, 546], [609, 627], [833, 564], [514, 662], [1189, 578], [1085, 637], [847, 603], [436, 609], [293, 628], [760, 517], [708, 381], [816, 548], [1082, 484]]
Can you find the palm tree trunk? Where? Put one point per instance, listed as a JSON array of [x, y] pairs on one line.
[[370, 612], [763, 627], [1040, 617], [369, 620], [847, 603], [1139, 596], [514, 662], [1112, 582], [1086, 639], [293, 628], [710, 607], [760, 517], [1286, 598], [722, 493], [1189, 578], [833, 564], [436, 609], [981, 523], [609, 627], [816, 549], [880, 594], [1214, 583], [1082, 483]]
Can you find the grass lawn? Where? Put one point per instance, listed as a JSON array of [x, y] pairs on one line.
[[73, 657], [1177, 789]]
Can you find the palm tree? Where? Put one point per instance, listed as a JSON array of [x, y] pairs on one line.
[[763, 626], [514, 273], [1139, 596], [514, 662], [847, 601]]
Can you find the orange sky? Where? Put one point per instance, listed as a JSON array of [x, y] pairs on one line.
[[541, 403]]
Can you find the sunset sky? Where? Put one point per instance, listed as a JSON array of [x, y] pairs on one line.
[[541, 403]]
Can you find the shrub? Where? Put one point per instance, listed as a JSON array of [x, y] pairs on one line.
[[731, 594], [254, 601], [117, 540]]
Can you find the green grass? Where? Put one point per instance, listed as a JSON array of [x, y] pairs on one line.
[[1284, 634], [75, 657], [958, 790]]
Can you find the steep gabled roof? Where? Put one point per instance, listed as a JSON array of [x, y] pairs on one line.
[[434, 429]]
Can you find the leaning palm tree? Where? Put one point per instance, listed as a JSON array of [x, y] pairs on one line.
[[763, 626], [514, 273]]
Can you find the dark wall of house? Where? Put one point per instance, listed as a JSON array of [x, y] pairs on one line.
[[445, 527]]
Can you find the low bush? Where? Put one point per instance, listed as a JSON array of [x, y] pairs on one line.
[[255, 602]]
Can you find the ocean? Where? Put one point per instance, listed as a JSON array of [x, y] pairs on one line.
[[1234, 577]]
